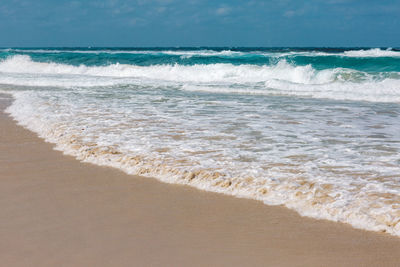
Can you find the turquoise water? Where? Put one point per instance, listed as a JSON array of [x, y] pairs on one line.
[[373, 60], [316, 130]]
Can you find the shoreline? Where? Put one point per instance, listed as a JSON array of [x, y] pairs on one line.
[[59, 211]]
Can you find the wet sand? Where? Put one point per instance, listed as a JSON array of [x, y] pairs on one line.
[[56, 211]]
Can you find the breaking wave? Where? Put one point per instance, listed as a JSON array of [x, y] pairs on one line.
[[281, 78]]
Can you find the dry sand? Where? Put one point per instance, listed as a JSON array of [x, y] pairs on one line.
[[56, 211]]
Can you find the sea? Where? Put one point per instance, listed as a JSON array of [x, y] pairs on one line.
[[314, 129]]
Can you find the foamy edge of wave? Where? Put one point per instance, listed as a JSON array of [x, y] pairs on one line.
[[23, 64], [283, 78], [306, 204]]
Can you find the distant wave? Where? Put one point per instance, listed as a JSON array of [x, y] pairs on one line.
[[205, 52], [363, 53], [375, 52]]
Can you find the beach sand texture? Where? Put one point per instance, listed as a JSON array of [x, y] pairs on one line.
[[56, 211]]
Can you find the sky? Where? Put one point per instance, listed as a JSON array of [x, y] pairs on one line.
[[255, 23]]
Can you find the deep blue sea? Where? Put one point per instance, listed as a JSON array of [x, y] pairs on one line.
[[314, 129]]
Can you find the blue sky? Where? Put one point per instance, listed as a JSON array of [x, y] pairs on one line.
[[199, 23]]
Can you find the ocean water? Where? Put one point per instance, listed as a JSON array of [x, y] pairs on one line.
[[316, 130]]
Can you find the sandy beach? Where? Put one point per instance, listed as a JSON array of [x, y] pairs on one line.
[[56, 211]]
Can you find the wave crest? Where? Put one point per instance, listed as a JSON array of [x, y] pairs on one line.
[[281, 78]]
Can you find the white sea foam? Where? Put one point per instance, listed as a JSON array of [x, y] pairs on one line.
[[332, 161], [384, 91], [374, 52], [362, 53], [180, 73], [279, 79]]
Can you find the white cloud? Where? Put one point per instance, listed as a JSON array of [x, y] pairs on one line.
[[289, 13], [333, 2], [161, 9], [297, 12], [136, 22], [225, 10]]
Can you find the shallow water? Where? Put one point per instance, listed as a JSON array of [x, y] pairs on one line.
[[315, 130]]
